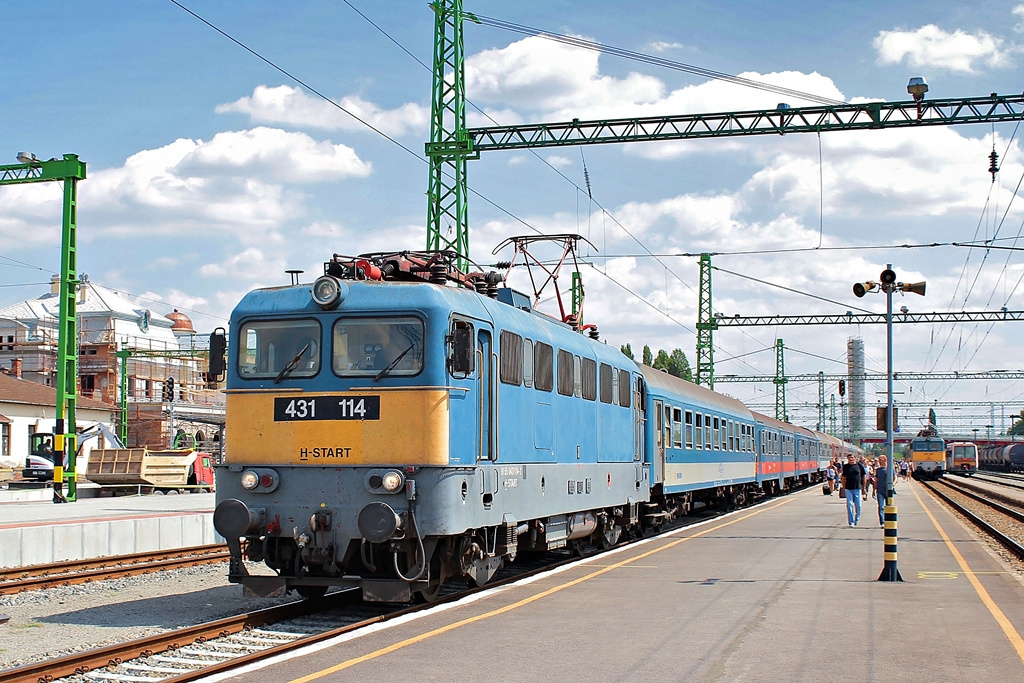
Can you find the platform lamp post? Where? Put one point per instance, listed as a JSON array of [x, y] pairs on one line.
[[888, 285], [68, 170]]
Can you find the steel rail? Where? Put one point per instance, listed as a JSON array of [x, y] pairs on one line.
[[98, 569], [1007, 542]]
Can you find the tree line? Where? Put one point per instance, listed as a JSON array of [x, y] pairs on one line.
[[674, 363]]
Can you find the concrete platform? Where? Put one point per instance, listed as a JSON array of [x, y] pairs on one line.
[[784, 591], [37, 531]]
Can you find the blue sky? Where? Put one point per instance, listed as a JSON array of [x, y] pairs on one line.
[[210, 172]]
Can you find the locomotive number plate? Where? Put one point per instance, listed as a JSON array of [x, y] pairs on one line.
[[327, 408]]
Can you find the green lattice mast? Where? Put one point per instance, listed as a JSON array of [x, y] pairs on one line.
[[449, 147], [706, 325]]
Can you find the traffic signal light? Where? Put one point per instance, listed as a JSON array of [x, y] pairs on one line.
[[169, 390], [842, 387]]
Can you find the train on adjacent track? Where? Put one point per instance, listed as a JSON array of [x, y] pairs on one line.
[[961, 457], [1003, 458], [400, 423]]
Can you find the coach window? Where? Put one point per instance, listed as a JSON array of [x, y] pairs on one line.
[[275, 349], [564, 372], [717, 436], [589, 379], [708, 443], [668, 426], [699, 445], [527, 363], [624, 389], [689, 429], [606, 383], [511, 358], [732, 436], [677, 427], [543, 377], [577, 377]]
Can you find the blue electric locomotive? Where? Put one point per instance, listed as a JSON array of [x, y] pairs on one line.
[[388, 432]]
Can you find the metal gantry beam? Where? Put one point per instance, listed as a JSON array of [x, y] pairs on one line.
[[817, 119], [880, 376], [851, 318]]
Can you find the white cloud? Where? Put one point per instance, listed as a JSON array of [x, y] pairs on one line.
[[1019, 12], [662, 46], [292, 106], [930, 46], [559, 161]]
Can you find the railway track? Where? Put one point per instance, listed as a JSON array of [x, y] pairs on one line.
[[41, 576], [991, 516], [194, 652], [1012, 480]]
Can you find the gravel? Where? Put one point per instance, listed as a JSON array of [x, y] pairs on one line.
[[58, 621]]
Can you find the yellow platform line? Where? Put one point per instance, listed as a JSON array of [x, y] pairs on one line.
[[525, 601], [1008, 630]]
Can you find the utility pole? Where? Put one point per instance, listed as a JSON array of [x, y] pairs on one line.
[[780, 382], [706, 326], [68, 170]]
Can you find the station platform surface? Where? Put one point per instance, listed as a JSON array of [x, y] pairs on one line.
[[785, 591], [34, 530]]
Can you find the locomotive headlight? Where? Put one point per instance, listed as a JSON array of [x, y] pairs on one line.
[[326, 291], [392, 481], [250, 480]]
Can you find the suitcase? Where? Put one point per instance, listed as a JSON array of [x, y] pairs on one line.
[[826, 489]]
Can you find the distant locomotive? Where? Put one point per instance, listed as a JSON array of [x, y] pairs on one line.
[[388, 432], [962, 458], [1003, 458], [928, 454]]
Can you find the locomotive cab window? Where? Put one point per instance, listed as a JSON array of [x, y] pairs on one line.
[[279, 348], [366, 347], [624, 388]]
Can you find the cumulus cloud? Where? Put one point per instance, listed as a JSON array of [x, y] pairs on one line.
[[285, 105], [930, 46], [1018, 11], [236, 178]]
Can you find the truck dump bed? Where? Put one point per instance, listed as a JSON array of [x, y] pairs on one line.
[[166, 468]]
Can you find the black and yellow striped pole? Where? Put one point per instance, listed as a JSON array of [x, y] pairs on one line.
[[890, 569]]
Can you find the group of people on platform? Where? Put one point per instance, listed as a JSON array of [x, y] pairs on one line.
[[858, 477]]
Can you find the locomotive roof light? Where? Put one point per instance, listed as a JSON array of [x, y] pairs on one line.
[[328, 292], [917, 87], [249, 480]]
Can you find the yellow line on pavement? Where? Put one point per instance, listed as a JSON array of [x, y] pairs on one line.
[[525, 601], [1008, 630]]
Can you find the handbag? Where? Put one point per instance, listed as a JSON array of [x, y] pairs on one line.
[[842, 493]]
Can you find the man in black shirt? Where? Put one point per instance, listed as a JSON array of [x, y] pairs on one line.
[[853, 479]]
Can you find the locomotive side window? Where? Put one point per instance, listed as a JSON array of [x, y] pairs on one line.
[[366, 347], [543, 356], [577, 377], [565, 374], [511, 357], [273, 347], [606, 383], [624, 393], [589, 379], [527, 363], [689, 429], [677, 427]]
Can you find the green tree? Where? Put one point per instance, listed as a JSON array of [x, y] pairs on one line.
[[1018, 427], [661, 361], [648, 357], [627, 351], [679, 366]]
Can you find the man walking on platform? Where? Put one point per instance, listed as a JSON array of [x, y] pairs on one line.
[[882, 486], [853, 479]]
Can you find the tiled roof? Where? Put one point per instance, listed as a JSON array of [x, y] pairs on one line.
[[14, 390]]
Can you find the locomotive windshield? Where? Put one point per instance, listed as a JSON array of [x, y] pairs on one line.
[[371, 347], [275, 348], [928, 445]]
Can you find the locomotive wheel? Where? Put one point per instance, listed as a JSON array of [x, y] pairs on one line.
[[580, 547], [437, 579], [609, 536], [311, 592]]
